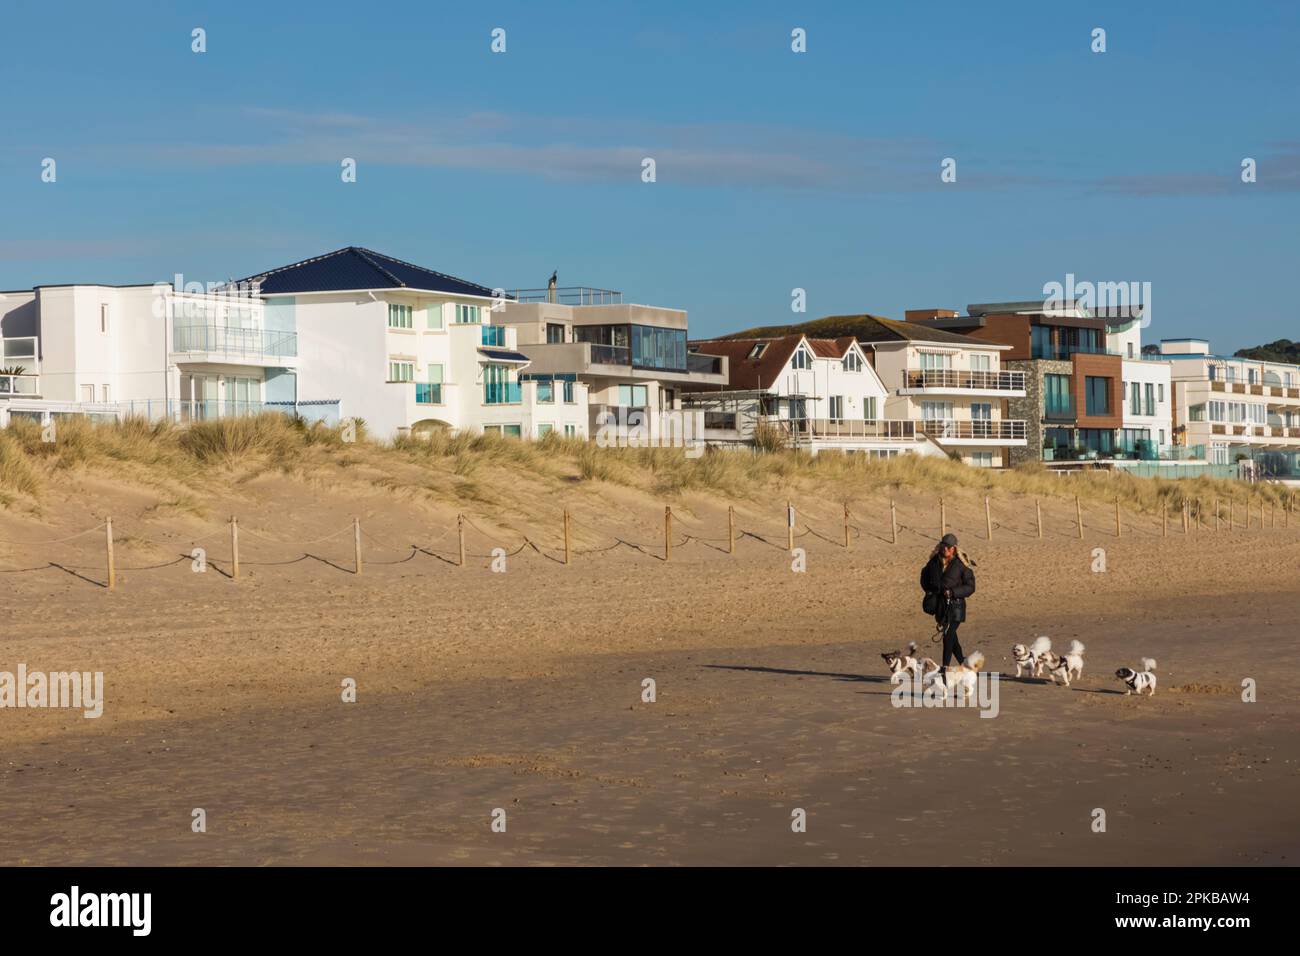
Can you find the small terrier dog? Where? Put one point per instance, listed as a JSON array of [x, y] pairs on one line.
[[898, 662], [961, 677], [1138, 681], [1027, 658], [1069, 665]]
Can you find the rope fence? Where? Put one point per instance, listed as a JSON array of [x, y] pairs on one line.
[[1192, 518]]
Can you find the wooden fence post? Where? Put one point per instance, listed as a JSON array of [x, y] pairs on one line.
[[356, 542], [1232, 518], [460, 535], [731, 529], [846, 526], [1164, 519], [566, 536], [234, 547], [1119, 531], [1038, 515], [108, 543], [1216, 514], [668, 533], [893, 523], [988, 519], [1078, 515], [1184, 516], [943, 518], [789, 526]]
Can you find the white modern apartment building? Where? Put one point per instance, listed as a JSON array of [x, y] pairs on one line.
[[1238, 408], [145, 349], [408, 349], [632, 360], [819, 394], [954, 386], [1146, 429]]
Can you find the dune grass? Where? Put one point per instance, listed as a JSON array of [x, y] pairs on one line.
[[470, 464]]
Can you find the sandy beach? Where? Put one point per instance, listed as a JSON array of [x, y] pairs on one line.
[[522, 691]]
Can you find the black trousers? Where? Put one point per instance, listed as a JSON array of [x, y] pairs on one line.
[[952, 646]]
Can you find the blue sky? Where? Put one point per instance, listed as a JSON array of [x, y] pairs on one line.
[[775, 170]]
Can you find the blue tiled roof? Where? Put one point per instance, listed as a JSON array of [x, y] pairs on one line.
[[357, 268]]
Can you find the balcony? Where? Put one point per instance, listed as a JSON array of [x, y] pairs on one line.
[[976, 432], [699, 363], [20, 386], [616, 361], [1005, 383], [502, 393], [1059, 409], [247, 345], [428, 393], [879, 429], [568, 295]]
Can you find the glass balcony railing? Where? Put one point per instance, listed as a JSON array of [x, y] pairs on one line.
[[502, 393], [20, 385], [228, 340]]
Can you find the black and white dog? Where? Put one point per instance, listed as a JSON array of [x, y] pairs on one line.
[[1068, 665], [898, 662], [1138, 681]]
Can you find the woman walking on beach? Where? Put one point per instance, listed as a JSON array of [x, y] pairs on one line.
[[947, 582]]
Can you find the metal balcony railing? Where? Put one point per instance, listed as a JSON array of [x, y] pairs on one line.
[[977, 429], [568, 295], [955, 378], [879, 428]]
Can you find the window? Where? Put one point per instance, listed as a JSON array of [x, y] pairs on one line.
[[568, 393], [633, 396], [430, 392], [1057, 400], [869, 407], [1160, 392], [468, 314], [103, 318], [757, 351], [1097, 395], [87, 393], [103, 397], [1250, 376], [837, 408], [512, 431], [570, 431], [1196, 413], [654, 347], [401, 371], [1229, 373], [545, 391], [399, 316], [981, 363], [544, 429], [936, 411], [1218, 412], [982, 459], [433, 316], [1135, 400], [802, 359], [1149, 392], [852, 361], [554, 333], [1130, 350], [935, 360]]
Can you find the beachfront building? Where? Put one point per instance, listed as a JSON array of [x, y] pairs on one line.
[[1090, 396], [631, 360], [109, 351], [408, 349], [954, 387], [1241, 410], [813, 394]]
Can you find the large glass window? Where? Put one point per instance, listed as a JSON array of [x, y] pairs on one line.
[[1097, 394], [1150, 395], [1056, 395], [658, 348], [399, 316], [1041, 339], [801, 359], [633, 396]]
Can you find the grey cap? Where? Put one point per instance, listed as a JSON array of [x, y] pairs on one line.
[[948, 541]]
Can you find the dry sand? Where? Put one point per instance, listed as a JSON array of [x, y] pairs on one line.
[[522, 690]]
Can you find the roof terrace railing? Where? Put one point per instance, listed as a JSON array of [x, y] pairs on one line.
[[568, 295], [974, 379]]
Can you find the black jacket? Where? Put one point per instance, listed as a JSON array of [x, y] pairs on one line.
[[956, 578]]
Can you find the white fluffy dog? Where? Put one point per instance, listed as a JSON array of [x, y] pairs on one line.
[[1029, 658], [961, 677], [1138, 681], [1069, 665]]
